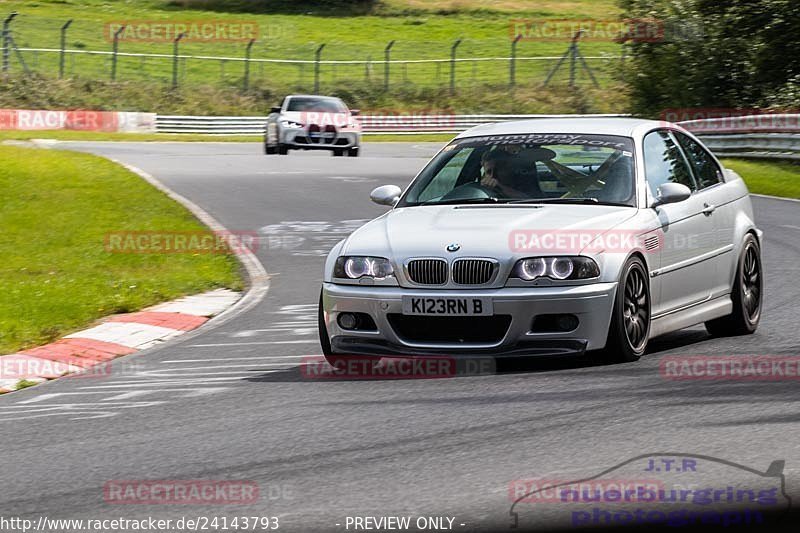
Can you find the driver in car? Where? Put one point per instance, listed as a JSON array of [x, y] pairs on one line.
[[498, 174]]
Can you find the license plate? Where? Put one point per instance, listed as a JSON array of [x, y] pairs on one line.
[[446, 306]]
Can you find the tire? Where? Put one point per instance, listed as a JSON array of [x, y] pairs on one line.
[[324, 340], [352, 152], [747, 294], [630, 319], [338, 152], [269, 150], [282, 149]]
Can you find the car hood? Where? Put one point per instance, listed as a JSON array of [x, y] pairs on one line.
[[484, 231]]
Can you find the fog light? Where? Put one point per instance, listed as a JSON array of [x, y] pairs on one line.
[[348, 321], [554, 323], [567, 322]]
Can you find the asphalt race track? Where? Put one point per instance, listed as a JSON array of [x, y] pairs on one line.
[[231, 403]]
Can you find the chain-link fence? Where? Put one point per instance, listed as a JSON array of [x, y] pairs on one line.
[[88, 50]]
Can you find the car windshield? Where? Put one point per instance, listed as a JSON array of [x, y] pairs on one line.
[[304, 103], [535, 167]]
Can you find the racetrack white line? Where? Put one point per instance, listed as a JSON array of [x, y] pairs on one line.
[[235, 359], [251, 365], [775, 197], [314, 341]]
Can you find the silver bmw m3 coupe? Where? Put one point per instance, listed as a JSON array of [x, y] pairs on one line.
[[548, 237]]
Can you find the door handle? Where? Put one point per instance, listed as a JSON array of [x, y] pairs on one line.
[[708, 209]]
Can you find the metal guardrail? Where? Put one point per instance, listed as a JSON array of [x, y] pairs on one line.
[[755, 145], [371, 124], [739, 137], [758, 136]]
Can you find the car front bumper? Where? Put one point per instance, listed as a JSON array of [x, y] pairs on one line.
[[301, 139], [592, 304]]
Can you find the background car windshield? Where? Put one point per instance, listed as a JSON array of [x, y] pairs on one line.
[[529, 167], [328, 105]]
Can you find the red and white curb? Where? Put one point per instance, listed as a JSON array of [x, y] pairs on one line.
[[117, 335]]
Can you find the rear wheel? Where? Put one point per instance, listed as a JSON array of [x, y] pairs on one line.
[[746, 295], [338, 152], [630, 320], [352, 152]]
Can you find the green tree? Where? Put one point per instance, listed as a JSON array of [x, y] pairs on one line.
[[715, 53]]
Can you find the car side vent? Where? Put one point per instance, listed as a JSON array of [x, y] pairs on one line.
[[428, 271], [652, 243], [472, 271]]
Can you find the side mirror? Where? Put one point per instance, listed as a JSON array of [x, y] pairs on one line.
[[386, 195], [275, 109], [670, 193], [355, 112]]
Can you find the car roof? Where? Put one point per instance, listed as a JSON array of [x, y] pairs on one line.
[[313, 96], [622, 126]]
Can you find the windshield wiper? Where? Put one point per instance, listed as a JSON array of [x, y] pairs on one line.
[[594, 201], [487, 200]]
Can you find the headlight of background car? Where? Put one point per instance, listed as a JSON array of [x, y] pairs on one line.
[[291, 124], [559, 268], [355, 267]]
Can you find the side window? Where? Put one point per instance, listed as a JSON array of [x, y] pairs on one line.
[[706, 170], [664, 162]]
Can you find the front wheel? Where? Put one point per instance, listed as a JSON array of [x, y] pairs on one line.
[[630, 320], [338, 152], [746, 295], [283, 149], [269, 150], [352, 152]]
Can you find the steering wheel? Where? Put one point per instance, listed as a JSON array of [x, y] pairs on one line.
[[470, 191]]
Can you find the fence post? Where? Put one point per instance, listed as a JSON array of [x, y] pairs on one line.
[[453, 66], [317, 55], [63, 48], [573, 57], [249, 48], [114, 54], [387, 54], [513, 66], [6, 40], [175, 45]]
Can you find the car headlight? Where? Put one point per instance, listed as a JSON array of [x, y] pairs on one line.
[[562, 267], [291, 124], [355, 267]]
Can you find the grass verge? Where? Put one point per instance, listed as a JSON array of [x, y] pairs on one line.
[[351, 31], [56, 274], [774, 178]]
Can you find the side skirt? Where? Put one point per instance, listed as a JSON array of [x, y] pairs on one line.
[[690, 316]]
